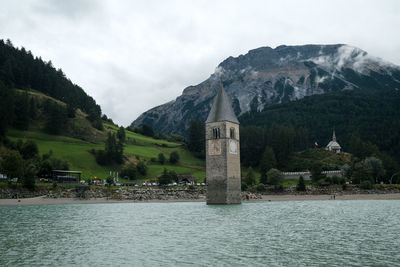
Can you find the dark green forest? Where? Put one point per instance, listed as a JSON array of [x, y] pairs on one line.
[[20, 69], [371, 115]]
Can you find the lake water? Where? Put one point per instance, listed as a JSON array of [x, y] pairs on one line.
[[309, 233]]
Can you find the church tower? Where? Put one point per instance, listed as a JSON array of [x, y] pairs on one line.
[[222, 153]]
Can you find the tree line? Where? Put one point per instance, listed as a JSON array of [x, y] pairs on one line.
[[21, 160], [373, 115], [20, 69], [273, 146]]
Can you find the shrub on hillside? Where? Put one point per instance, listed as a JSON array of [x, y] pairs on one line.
[[141, 168], [174, 157], [161, 158]]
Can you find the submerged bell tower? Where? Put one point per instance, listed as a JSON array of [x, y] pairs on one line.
[[222, 153]]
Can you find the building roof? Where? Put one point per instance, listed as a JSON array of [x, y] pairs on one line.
[[333, 144], [221, 109], [187, 177], [63, 171]]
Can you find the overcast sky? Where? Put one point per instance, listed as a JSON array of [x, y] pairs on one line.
[[134, 55]]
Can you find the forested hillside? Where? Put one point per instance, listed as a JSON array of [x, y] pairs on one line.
[[372, 115], [20, 69]]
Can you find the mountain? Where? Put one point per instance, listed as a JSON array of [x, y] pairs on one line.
[[267, 76]]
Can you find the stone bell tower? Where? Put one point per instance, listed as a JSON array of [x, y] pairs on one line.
[[222, 153]]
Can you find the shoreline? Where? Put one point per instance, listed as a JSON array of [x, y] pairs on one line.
[[37, 201]]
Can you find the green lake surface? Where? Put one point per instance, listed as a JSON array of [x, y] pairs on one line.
[[292, 233]]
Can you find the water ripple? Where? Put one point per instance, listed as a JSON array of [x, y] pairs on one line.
[[309, 233]]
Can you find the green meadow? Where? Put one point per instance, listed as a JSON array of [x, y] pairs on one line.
[[138, 147]]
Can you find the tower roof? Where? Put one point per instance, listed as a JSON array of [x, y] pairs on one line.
[[221, 109]]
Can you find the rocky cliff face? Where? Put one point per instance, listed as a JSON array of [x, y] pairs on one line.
[[266, 76]]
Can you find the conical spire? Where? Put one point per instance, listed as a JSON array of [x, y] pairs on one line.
[[221, 109], [334, 136]]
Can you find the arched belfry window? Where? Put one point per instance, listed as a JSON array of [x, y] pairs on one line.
[[216, 133], [232, 133]]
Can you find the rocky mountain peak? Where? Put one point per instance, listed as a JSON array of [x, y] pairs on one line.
[[266, 76]]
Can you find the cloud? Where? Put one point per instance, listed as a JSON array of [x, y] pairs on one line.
[[350, 56], [134, 55], [71, 9]]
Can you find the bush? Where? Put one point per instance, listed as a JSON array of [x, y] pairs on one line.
[[174, 157], [29, 150], [250, 178], [161, 158], [109, 180], [28, 179], [141, 168], [101, 157], [12, 164], [380, 186], [328, 180], [335, 180], [129, 171], [260, 188], [244, 186], [316, 172], [275, 178], [344, 186], [165, 178], [366, 184], [301, 186]]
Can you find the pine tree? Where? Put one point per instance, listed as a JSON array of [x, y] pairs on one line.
[[57, 118], [22, 116], [275, 178], [6, 107], [121, 134], [267, 162], [161, 158], [250, 178], [196, 143], [174, 157], [301, 186]]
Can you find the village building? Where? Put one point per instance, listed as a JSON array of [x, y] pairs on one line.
[[222, 153], [334, 145], [187, 179], [63, 176]]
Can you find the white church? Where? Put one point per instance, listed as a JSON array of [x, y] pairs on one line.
[[333, 145]]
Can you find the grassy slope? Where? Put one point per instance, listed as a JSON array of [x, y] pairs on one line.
[[76, 152], [83, 138]]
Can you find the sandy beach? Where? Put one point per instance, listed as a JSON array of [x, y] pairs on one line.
[[62, 201]]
